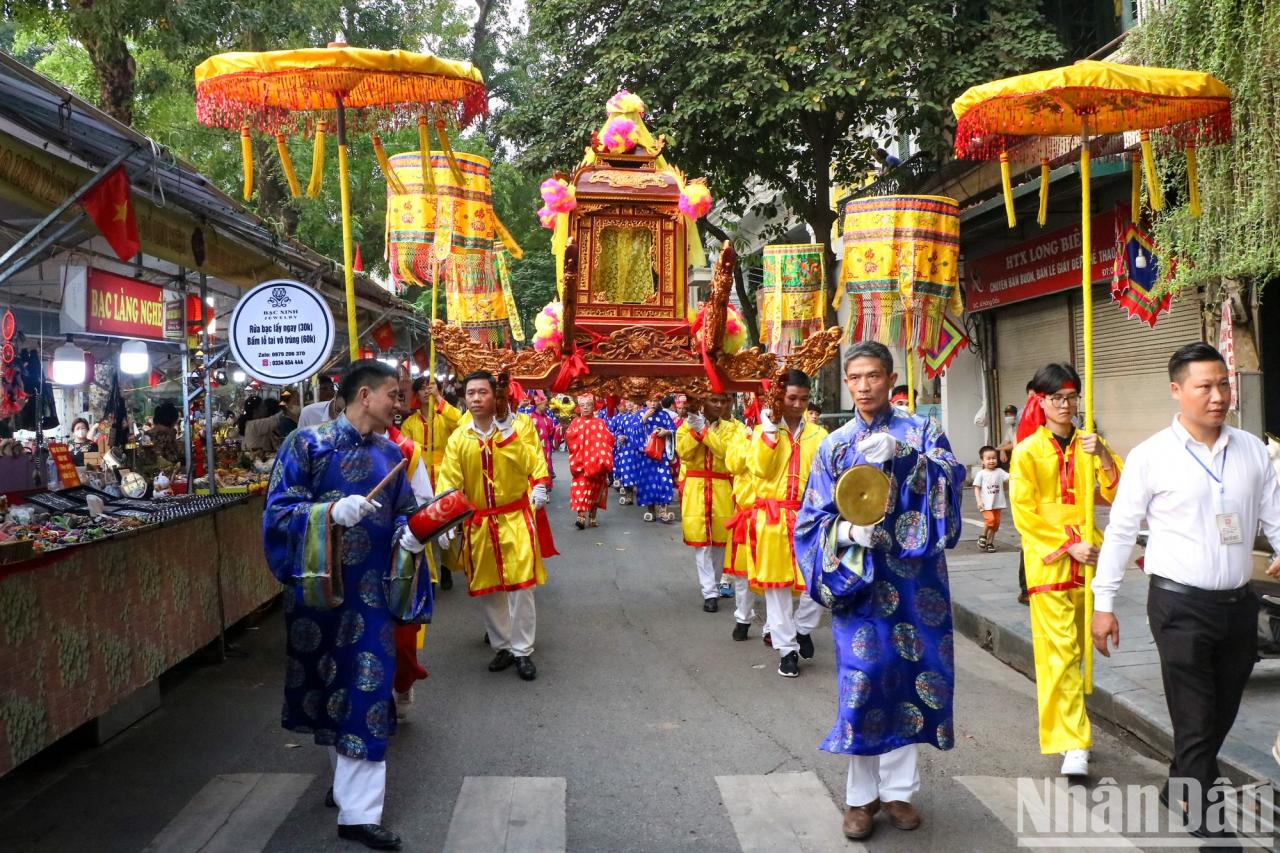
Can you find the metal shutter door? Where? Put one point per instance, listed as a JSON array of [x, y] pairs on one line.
[[1130, 365], [1029, 335]]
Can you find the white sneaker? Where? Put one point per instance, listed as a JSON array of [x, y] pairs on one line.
[[1075, 762], [404, 701]]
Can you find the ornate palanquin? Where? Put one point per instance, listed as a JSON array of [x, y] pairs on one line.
[[627, 245]]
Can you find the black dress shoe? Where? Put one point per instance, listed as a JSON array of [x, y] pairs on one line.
[[525, 668], [370, 835], [501, 661], [710, 605], [329, 801], [446, 578], [740, 631], [806, 646]]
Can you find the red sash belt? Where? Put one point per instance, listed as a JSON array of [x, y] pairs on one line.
[[488, 512], [773, 508], [739, 524], [708, 475]]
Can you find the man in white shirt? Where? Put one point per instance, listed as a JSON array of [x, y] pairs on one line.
[[1203, 490], [314, 414]]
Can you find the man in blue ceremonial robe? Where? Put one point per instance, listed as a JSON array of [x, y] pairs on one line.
[[353, 571], [886, 585]]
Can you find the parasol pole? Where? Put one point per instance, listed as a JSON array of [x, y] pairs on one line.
[[1086, 276], [349, 276], [911, 381]]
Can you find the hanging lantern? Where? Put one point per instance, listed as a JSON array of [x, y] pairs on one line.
[[68, 364], [135, 360], [155, 378]]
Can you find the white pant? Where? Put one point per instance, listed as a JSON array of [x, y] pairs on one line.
[[744, 600], [892, 776], [785, 618], [359, 788], [510, 619], [710, 561]]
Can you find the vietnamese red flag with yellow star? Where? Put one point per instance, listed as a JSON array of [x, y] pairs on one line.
[[109, 206]]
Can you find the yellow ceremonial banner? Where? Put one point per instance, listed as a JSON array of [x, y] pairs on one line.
[[900, 268], [40, 181], [446, 233], [791, 297]]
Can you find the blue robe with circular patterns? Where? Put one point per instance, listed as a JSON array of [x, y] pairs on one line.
[[341, 654], [890, 603]]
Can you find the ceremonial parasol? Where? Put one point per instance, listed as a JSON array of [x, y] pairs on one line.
[[1030, 115], [289, 91]]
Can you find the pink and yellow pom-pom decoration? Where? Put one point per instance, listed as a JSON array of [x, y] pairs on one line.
[[558, 196], [619, 135], [547, 217], [548, 332], [735, 329], [695, 200], [624, 102]]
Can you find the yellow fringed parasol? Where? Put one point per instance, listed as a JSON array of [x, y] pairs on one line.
[[1028, 116], [290, 91]]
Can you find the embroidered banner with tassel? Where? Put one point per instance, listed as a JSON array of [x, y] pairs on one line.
[[791, 297], [901, 255], [1135, 280], [446, 231]]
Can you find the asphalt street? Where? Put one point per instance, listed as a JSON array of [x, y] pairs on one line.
[[648, 729]]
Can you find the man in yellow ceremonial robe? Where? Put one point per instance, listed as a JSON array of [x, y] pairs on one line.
[[444, 420], [781, 455], [737, 552], [1047, 485], [706, 501], [505, 478]]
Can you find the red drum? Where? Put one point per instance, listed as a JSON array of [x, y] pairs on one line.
[[449, 510]]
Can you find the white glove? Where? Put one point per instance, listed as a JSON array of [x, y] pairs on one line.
[[766, 421], [539, 496], [696, 422], [410, 543], [848, 534], [877, 448], [444, 539], [350, 510]]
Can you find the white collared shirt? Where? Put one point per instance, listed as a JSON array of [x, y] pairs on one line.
[[1165, 486]]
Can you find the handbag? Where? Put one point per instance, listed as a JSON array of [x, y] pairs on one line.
[[656, 447]]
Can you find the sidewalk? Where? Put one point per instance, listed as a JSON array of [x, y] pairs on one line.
[[1127, 689]]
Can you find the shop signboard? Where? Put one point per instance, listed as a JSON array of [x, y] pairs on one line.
[[97, 302], [1048, 264], [282, 332]]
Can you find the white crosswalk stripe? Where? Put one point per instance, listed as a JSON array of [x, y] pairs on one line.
[[508, 814], [234, 813], [784, 813], [1064, 810]]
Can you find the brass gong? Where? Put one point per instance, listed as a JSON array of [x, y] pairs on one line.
[[862, 493]]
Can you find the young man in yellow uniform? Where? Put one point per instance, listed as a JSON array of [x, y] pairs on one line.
[[781, 455], [706, 501], [444, 420], [505, 478], [1047, 483]]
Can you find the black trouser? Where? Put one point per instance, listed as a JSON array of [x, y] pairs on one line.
[[1022, 571], [1207, 650]]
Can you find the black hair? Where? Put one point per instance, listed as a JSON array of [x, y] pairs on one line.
[[479, 374], [796, 379], [364, 373], [1054, 377], [983, 451], [418, 383], [899, 389], [77, 422], [270, 406], [668, 401], [251, 406], [166, 414], [1181, 360], [814, 407], [870, 349], [1011, 409]]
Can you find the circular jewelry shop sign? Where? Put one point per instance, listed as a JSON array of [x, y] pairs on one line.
[[281, 332]]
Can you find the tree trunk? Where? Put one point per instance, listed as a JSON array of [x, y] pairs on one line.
[[820, 217], [114, 67], [739, 284]]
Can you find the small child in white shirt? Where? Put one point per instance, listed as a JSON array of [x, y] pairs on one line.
[[989, 488]]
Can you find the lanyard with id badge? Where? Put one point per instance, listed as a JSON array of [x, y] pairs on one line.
[[1227, 518]]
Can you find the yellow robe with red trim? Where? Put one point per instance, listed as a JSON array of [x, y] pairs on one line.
[[706, 500], [443, 423], [1046, 489], [737, 553], [499, 550], [780, 465]]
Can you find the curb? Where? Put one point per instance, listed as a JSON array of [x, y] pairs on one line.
[[1137, 710]]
